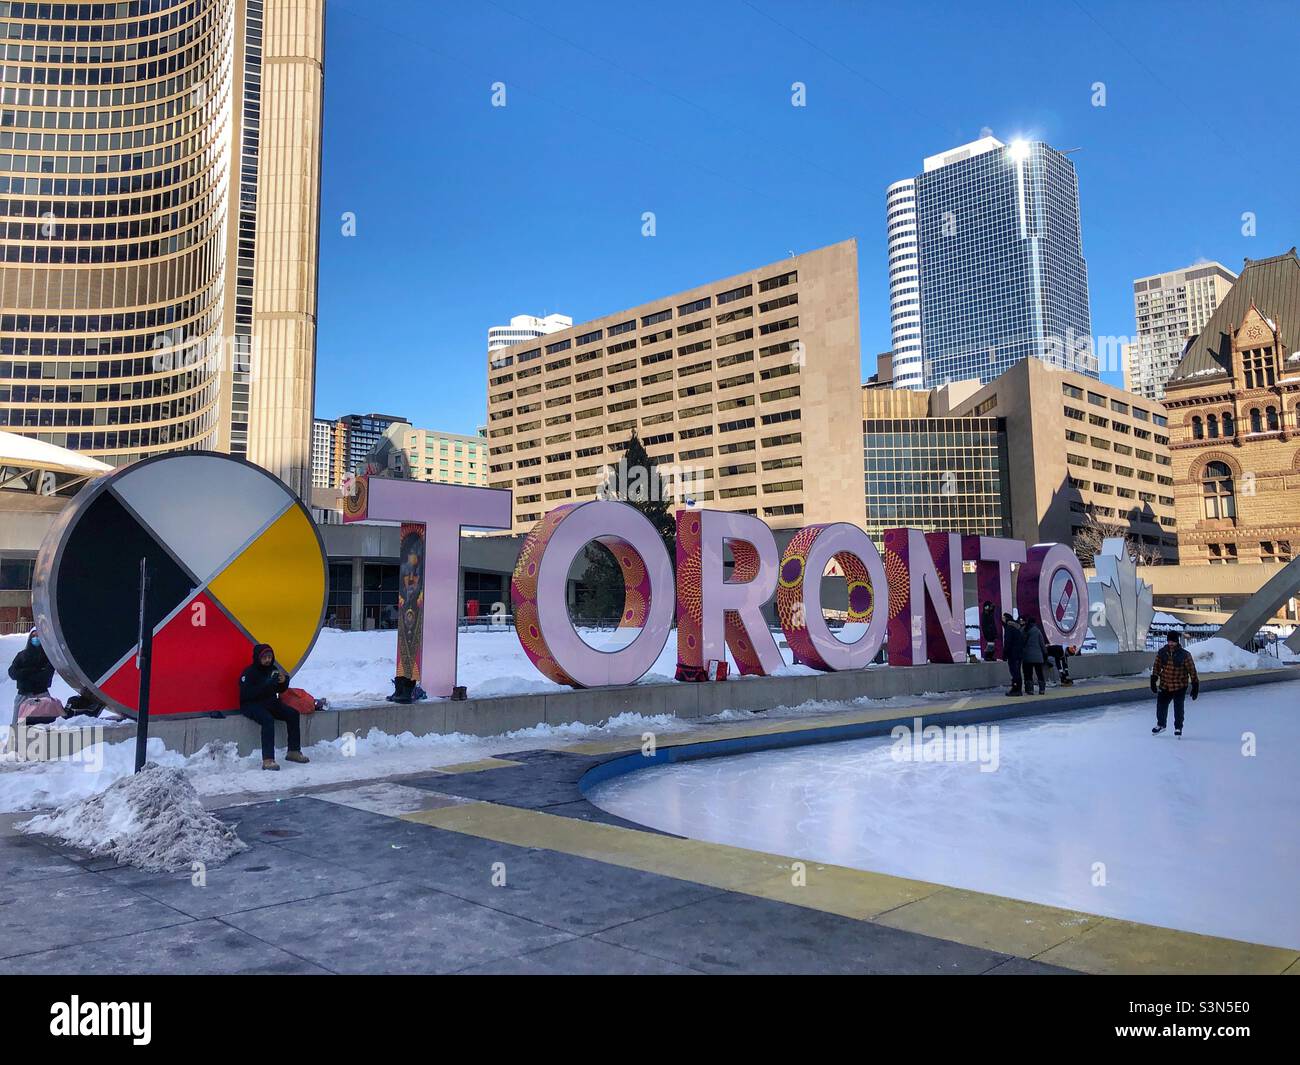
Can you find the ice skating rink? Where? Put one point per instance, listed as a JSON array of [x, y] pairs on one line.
[[1084, 810]]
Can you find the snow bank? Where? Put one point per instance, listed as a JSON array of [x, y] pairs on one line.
[[218, 769], [356, 668], [152, 820], [1217, 655]]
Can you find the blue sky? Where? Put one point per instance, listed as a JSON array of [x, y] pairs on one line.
[[467, 213]]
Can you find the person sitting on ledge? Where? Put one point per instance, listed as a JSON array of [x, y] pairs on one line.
[[32, 669], [260, 686]]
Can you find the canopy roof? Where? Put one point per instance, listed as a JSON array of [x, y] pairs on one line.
[[26, 452]]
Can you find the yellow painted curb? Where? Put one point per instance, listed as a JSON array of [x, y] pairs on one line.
[[476, 767], [1071, 939]]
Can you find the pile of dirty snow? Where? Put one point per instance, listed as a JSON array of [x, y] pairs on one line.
[[152, 820], [1217, 655]]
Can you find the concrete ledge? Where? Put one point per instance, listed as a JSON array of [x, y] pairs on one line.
[[494, 716]]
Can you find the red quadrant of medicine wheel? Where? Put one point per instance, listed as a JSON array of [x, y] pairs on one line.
[[196, 666]]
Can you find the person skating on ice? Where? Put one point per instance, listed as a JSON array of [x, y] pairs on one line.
[[1173, 673]]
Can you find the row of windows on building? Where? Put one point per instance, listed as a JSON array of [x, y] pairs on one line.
[[1269, 551], [1267, 420]]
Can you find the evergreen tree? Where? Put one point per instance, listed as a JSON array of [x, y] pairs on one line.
[[643, 488], [635, 481]]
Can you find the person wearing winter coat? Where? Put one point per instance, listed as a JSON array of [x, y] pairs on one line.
[[260, 686], [32, 670], [988, 629], [1035, 655], [1059, 656], [1013, 649], [1172, 674]]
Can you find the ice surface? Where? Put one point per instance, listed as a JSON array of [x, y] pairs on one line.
[[1191, 833]]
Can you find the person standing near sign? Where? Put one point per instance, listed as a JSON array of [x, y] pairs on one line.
[[260, 686], [1172, 674], [1013, 649], [988, 629], [1035, 656]]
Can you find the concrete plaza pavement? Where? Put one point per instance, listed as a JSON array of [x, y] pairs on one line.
[[502, 866]]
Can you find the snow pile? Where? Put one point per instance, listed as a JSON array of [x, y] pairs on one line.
[[218, 769], [1217, 655], [152, 820]]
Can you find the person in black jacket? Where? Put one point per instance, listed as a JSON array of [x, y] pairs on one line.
[[988, 629], [1013, 649], [260, 686], [32, 670]]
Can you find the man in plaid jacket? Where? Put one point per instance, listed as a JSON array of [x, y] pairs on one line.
[[1173, 673]]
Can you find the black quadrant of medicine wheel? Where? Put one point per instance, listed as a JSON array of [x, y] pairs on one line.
[[98, 593]]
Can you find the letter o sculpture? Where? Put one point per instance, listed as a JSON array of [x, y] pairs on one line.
[[537, 593], [1051, 587], [799, 595]]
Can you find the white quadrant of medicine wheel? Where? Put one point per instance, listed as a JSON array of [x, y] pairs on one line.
[[203, 508]]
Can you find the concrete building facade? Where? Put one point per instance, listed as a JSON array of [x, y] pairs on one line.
[[1169, 310], [1077, 448], [1235, 425], [446, 458], [159, 194], [745, 391]]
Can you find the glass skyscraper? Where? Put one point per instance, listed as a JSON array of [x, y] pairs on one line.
[[1000, 262]]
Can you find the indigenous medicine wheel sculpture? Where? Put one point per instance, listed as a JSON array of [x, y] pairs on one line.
[[234, 560]]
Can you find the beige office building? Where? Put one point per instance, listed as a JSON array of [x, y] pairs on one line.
[[446, 458], [1076, 448], [1170, 309], [159, 190], [745, 391]]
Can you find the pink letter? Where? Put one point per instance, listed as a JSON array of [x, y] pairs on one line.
[[1051, 588], [444, 509], [799, 595], [714, 614], [930, 624], [538, 588], [993, 557]]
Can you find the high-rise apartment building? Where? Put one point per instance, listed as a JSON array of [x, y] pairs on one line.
[[904, 284], [745, 391], [999, 269], [159, 185], [322, 453], [1170, 309], [524, 327], [355, 436]]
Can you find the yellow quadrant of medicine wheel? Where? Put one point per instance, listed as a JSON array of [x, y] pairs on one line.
[[275, 587]]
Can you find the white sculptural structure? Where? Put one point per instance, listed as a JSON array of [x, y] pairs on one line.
[[1121, 602]]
